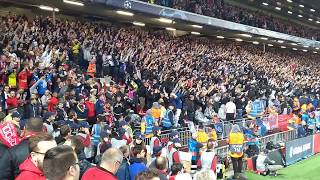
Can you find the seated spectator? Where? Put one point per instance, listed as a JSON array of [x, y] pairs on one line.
[[110, 163], [61, 163], [32, 167]]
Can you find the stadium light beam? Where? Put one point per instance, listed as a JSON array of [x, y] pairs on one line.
[[294, 49], [165, 20], [138, 23], [304, 50], [310, 19], [197, 26], [220, 37], [270, 45], [238, 39], [300, 16], [170, 29], [278, 8], [195, 33], [48, 8], [265, 4], [289, 12], [280, 41], [246, 35], [283, 47], [255, 42], [301, 5], [312, 10], [264, 38], [294, 44], [125, 13], [73, 2]]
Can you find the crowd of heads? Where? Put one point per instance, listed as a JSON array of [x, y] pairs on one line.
[[258, 18], [90, 85]]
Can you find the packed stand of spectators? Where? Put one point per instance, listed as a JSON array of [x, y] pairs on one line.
[[221, 10], [56, 90]]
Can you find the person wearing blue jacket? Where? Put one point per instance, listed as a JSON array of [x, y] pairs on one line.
[[194, 147], [123, 172], [99, 106], [137, 164]]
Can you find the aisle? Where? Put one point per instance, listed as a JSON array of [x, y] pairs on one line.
[[308, 169]]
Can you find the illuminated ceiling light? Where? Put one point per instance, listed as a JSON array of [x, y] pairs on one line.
[[283, 47], [304, 50], [312, 10], [300, 15], [294, 44], [317, 22], [197, 26], [270, 45], [278, 8], [315, 52], [265, 4], [165, 20], [170, 29], [195, 33], [317, 48], [220, 37], [48, 8], [125, 13], [310, 19], [264, 38], [294, 49], [73, 3], [289, 1], [255, 42], [138, 23], [280, 41], [306, 46], [301, 5], [289, 12], [238, 39], [246, 35]]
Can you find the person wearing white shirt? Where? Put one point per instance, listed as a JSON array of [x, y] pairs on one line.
[[230, 109]]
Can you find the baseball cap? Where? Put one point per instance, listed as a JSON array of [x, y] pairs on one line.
[[48, 114], [156, 128], [122, 123], [16, 114], [84, 124], [173, 134]]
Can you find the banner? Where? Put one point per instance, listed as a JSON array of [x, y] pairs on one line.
[[271, 121], [316, 143], [298, 149], [283, 121]]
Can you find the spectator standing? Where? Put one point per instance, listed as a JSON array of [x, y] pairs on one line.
[[162, 167], [123, 172], [231, 110], [61, 163], [110, 163], [137, 164], [236, 148], [32, 167]]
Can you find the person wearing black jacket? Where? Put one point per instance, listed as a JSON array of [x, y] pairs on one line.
[[189, 108], [20, 152], [5, 168]]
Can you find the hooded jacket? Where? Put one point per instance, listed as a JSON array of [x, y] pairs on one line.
[[29, 171]]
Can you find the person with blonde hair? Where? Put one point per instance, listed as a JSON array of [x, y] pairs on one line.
[[205, 174]]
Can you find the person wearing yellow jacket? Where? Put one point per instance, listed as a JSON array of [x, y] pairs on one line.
[[236, 148]]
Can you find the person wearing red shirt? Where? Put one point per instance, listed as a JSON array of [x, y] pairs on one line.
[[91, 111], [110, 162], [31, 168], [53, 102], [23, 79], [12, 100]]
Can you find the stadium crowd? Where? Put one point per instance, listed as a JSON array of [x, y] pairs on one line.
[[98, 91], [220, 9]]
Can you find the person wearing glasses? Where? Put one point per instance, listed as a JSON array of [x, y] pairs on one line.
[[61, 163], [110, 162], [32, 167]]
